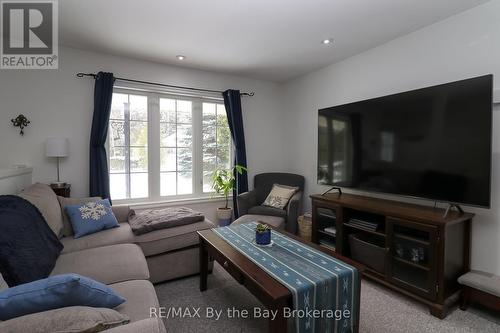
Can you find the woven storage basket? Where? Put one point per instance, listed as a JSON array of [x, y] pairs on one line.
[[305, 227]]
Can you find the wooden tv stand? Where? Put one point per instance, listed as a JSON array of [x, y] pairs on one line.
[[414, 249]]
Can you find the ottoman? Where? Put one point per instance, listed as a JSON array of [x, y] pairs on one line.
[[274, 221], [482, 288]]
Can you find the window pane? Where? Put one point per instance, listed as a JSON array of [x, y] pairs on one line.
[[184, 159], [209, 158], [138, 133], [216, 142], [138, 107], [167, 110], [184, 111], [184, 135], [209, 136], [185, 183], [207, 182], [116, 133], [208, 110], [118, 186], [223, 134], [168, 183], [128, 141], [168, 159], [167, 135], [221, 110], [209, 165], [139, 185], [138, 160], [223, 156], [118, 106], [117, 160]]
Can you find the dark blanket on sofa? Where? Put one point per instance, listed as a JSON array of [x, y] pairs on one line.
[[28, 247], [154, 219]]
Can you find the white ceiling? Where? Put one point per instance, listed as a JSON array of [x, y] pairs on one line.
[[266, 39]]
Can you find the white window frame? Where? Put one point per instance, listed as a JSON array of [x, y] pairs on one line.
[[154, 147]]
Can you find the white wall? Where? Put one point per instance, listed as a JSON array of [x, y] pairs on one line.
[[59, 104], [462, 46]]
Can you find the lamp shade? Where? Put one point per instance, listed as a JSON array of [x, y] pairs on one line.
[[56, 147]]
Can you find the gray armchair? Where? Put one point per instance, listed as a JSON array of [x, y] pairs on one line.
[[251, 202]]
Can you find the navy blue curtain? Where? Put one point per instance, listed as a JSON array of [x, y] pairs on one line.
[[232, 102], [99, 175]]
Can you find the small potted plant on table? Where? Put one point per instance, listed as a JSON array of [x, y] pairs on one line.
[[223, 183], [262, 234]]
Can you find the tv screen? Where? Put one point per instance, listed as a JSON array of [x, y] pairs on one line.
[[432, 143]]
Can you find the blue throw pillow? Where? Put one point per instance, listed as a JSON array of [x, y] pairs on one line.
[[91, 217], [56, 292]]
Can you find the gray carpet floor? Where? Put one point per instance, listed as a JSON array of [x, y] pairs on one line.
[[381, 309]]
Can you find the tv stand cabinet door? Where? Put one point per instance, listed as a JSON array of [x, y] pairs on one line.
[[412, 260]]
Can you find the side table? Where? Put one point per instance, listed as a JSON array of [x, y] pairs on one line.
[[64, 191]]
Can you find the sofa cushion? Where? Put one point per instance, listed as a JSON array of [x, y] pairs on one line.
[[56, 292], [121, 235], [274, 221], [265, 210], [72, 319], [91, 217], [165, 240], [107, 264], [44, 198], [140, 295], [63, 202], [122, 212]]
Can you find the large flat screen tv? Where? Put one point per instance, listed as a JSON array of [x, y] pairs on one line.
[[432, 143]]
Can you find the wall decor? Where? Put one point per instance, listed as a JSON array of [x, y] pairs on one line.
[[21, 121]]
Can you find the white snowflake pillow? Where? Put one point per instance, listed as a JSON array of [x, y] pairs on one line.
[[279, 196], [91, 217]]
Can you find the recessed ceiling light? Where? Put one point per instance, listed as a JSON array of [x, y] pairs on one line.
[[327, 41], [180, 57]]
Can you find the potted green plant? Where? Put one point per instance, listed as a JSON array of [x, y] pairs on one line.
[[262, 234], [223, 184]]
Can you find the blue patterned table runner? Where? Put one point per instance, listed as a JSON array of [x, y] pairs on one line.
[[317, 281]]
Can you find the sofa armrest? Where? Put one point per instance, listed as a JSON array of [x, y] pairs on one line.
[[246, 201], [293, 211], [149, 325], [121, 212]]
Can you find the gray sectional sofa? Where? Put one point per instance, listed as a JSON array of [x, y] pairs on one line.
[[127, 263]]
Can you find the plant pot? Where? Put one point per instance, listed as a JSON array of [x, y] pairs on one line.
[[263, 237], [224, 216]]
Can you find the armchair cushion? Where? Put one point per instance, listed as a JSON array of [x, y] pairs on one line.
[[263, 183], [265, 210]]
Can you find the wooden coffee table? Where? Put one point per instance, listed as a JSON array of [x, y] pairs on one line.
[[265, 288]]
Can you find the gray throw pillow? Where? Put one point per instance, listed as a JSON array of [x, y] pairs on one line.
[[73, 319], [279, 196], [67, 230]]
